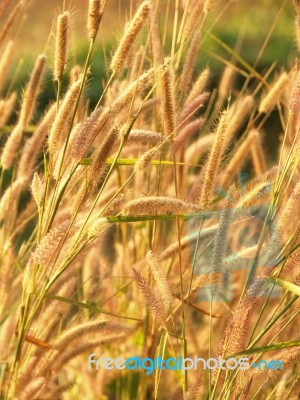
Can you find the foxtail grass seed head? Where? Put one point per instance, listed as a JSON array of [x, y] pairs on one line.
[[79, 331], [189, 64], [7, 109], [214, 162], [61, 46], [94, 18], [239, 158], [86, 132], [32, 91], [188, 131], [10, 20], [145, 160], [99, 163], [135, 89], [196, 9], [286, 215], [61, 125], [129, 37], [50, 243], [227, 81], [156, 42], [221, 245], [255, 194], [238, 113], [5, 63], [273, 96], [145, 137], [258, 154], [75, 73], [33, 146], [37, 188], [193, 107], [294, 102], [195, 389], [168, 103], [60, 359], [10, 195], [207, 6], [157, 205], [11, 147], [32, 388], [160, 280], [97, 227], [158, 178], [152, 299], [199, 86]]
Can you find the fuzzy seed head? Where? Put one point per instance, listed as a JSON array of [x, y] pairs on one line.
[[193, 107], [153, 301], [61, 45], [99, 163], [227, 81], [32, 91], [98, 226], [130, 36], [47, 247], [199, 86], [160, 280], [5, 63], [10, 195], [168, 103], [86, 133], [188, 67], [94, 18], [7, 109], [145, 161], [157, 205], [238, 113], [214, 161], [11, 147], [61, 124], [37, 188], [274, 94]]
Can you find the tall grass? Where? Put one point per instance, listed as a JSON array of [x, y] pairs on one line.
[[130, 229]]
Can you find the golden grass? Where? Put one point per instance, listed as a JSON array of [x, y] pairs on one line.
[[115, 220]]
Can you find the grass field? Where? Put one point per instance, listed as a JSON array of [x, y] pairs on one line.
[[149, 200]]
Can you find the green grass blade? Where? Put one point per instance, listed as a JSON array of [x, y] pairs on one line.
[[160, 353], [238, 58], [270, 347], [133, 161], [88, 306], [291, 287]]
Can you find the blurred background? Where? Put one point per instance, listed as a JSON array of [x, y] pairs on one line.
[[244, 25]]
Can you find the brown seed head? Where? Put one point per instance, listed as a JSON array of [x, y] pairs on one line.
[[61, 45], [32, 91], [130, 36], [274, 94], [63, 119], [168, 103], [5, 63], [94, 17], [214, 162]]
